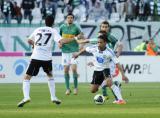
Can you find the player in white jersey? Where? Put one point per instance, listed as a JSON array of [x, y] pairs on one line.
[[42, 40], [103, 55]]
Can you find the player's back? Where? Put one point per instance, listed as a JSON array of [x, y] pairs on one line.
[[43, 42]]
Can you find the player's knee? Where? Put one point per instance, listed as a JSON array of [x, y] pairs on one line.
[[94, 90], [27, 77], [66, 71], [109, 83]]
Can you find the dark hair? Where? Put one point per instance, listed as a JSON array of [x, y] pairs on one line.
[[70, 14], [103, 37], [105, 22], [102, 32], [49, 21]]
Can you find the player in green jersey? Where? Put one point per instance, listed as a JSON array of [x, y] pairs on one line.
[[69, 30]]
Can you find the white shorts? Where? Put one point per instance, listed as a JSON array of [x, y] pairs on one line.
[[68, 60]]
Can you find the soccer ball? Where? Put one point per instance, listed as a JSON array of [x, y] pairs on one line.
[[99, 99]]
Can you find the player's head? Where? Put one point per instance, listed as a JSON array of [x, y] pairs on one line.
[[101, 33], [104, 26], [102, 41], [70, 18], [49, 21]]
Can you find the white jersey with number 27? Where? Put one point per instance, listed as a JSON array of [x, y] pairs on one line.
[[44, 38]]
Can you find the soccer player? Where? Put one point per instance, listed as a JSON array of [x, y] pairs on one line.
[[112, 43], [69, 30], [102, 57], [115, 45], [42, 41]]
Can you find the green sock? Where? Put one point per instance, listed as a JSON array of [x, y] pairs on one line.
[[66, 76], [104, 91], [75, 80]]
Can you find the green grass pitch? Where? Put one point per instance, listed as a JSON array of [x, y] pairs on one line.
[[143, 101]]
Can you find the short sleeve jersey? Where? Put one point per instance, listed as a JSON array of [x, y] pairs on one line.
[[102, 59], [43, 38], [69, 31]]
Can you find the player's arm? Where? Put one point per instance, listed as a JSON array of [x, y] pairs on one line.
[[77, 38], [63, 41], [31, 40], [124, 77], [118, 48], [79, 53], [116, 61], [81, 39]]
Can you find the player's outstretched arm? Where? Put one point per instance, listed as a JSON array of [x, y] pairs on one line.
[[79, 53], [63, 41]]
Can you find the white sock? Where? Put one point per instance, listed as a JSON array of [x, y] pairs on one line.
[[117, 92], [26, 89], [103, 83], [51, 85]]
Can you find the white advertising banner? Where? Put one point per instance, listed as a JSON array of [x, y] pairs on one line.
[[137, 68]]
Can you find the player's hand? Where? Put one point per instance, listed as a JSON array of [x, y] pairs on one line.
[[125, 78], [80, 36], [61, 42], [90, 64], [117, 54], [75, 56], [59, 45]]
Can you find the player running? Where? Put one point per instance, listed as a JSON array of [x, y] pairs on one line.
[[102, 56]]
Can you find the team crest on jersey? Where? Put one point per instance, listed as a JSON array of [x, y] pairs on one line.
[[100, 59]]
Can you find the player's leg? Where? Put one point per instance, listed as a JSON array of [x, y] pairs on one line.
[[47, 67], [67, 79], [97, 80], [104, 87], [26, 91], [113, 70], [104, 90], [66, 63], [94, 88], [118, 84], [75, 75], [32, 70], [116, 91], [113, 87]]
